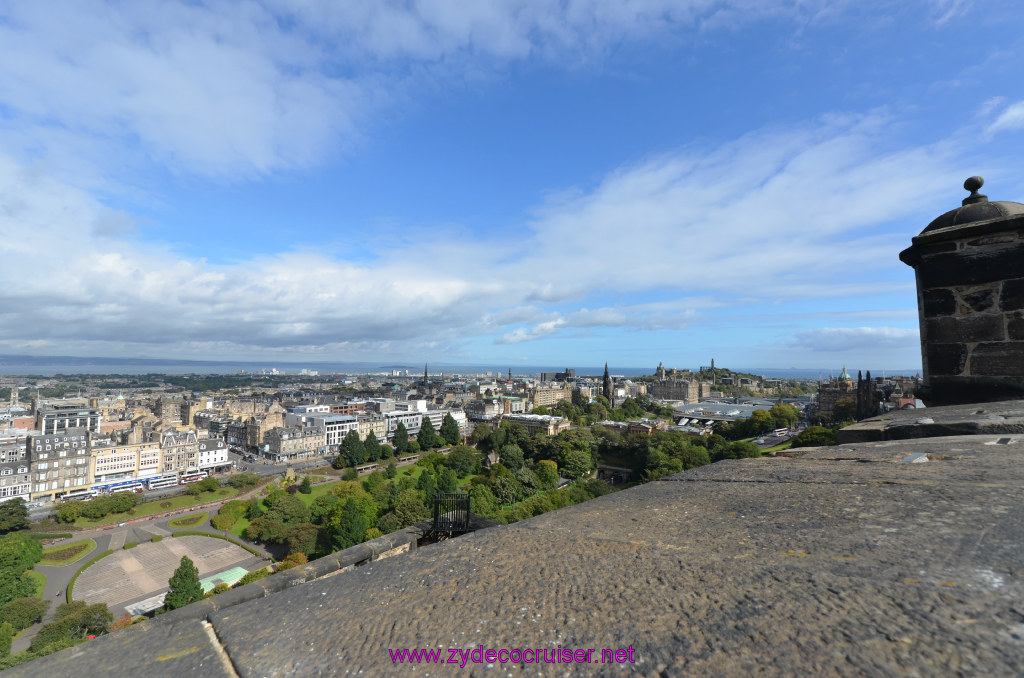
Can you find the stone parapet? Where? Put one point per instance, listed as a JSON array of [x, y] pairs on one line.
[[889, 558]]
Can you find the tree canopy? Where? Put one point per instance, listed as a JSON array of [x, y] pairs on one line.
[[184, 585]]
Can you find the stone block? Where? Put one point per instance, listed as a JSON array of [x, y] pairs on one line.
[[972, 267], [1015, 325], [979, 300], [1012, 296], [946, 359], [969, 329], [939, 302], [999, 359]]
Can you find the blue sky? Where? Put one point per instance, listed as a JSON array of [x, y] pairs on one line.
[[513, 183]]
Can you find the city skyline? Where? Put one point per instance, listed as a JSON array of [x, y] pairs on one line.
[[491, 184]]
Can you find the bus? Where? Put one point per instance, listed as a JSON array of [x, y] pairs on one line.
[[194, 477], [80, 494], [134, 487], [779, 432], [170, 480]]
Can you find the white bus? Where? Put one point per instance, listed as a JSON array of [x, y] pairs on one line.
[[170, 480], [134, 487], [193, 477], [80, 494]]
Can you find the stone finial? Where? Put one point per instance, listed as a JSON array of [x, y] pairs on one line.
[[973, 184]]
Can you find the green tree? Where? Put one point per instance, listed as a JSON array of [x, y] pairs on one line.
[[814, 436], [208, 484], [306, 486], [7, 632], [289, 510], [427, 485], [480, 434], [784, 414], [184, 585], [13, 515], [410, 509], [760, 422], [372, 448], [577, 463], [321, 507], [427, 437], [19, 551], [447, 481], [511, 457], [460, 460], [391, 470], [348, 529], [14, 584], [24, 612], [547, 473], [540, 409], [72, 622], [69, 511], [401, 439], [450, 430], [352, 450]]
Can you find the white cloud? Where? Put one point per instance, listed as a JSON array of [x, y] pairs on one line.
[[848, 339], [768, 218], [1011, 118]]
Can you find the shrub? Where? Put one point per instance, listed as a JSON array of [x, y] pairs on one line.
[[24, 612], [122, 622], [156, 538], [350, 474], [255, 575], [292, 560], [165, 504], [188, 521], [130, 545]]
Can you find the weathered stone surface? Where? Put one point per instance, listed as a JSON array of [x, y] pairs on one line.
[[980, 300], [175, 649], [954, 330], [972, 267], [946, 358], [998, 359], [841, 561], [939, 302], [1015, 325], [951, 420], [1012, 296]]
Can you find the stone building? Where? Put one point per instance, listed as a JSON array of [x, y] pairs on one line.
[[60, 416], [113, 463], [289, 443], [539, 422], [180, 451], [15, 478], [59, 463]]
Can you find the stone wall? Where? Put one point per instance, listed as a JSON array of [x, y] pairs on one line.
[[970, 281]]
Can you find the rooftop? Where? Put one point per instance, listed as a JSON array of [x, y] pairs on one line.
[[846, 560]]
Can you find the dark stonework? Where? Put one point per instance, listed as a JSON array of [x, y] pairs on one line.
[[1015, 325], [998, 359], [946, 358], [980, 301], [951, 330], [969, 265], [939, 302], [1012, 297], [970, 268]]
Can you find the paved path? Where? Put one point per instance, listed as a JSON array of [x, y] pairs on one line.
[[141, 571]]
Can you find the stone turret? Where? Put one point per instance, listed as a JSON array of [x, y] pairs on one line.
[[969, 265]]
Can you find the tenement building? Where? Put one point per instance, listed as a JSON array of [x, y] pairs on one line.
[[60, 463]]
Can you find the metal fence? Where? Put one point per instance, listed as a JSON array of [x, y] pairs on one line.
[[451, 512]]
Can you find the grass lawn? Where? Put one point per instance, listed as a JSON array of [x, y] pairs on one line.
[[778, 448], [159, 506], [40, 579], [65, 554]]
